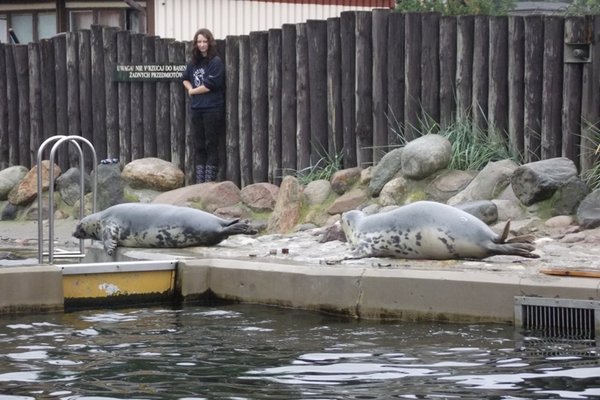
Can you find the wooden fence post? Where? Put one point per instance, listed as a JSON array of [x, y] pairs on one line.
[[12, 103], [98, 92], [516, 90], [84, 73], [35, 99], [412, 68], [430, 67], [274, 104], [590, 112], [232, 134], [316, 36], [288, 99], [21, 66], [109, 42], [364, 88], [380, 86], [302, 99], [245, 113], [68, 104], [136, 96], [395, 81], [498, 77], [163, 104], [552, 87], [464, 65], [447, 70], [348, 43], [149, 100], [259, 105], [177, 99], [335, 111], [124, 93], [534, 53], [481, 45], [4, 142], [48, 96]]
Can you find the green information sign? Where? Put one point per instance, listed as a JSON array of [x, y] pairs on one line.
[[148, 72]]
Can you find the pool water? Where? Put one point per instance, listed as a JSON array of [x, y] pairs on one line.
[[257, 352]]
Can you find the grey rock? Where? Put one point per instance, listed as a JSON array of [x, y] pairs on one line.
[[9, 212], [9, 178], [111, 187], [567, 197], [384, 171], [69, 184], [426, 155], [448, 183], [343, 180], [488, 183], [537, 181], [316, 192], [588, 213], [509, 209], [485, 210]]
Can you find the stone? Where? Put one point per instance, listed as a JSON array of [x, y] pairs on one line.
[[343, 180], [26, 191], [111, 186], [69, 184], [218, 195], [260, 197], [389, 165], [447, 183], [333, 232], [183, 196], [348, 201], [287, 207], [488, 183], [568, 196], [485, 210], [425, 155], [508, 209], [588, 212], [539, 180], [392, 192], [9, 212], [9, 178], [232, 212], [317, 192], [153, 173], [560, 221]]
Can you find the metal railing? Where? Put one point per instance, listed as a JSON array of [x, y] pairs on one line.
[[60, 139]]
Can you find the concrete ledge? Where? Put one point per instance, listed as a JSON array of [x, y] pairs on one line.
[[454, 295], [31, 289]]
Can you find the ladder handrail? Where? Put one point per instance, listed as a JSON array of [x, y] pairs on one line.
[[60, 139]]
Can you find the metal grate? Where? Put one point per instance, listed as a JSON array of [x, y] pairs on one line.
[[560, 318]]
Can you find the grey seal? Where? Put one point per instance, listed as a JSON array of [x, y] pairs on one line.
[[429, 230], [157, 225]]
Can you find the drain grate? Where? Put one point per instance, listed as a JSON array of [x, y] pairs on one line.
[[562, 318]]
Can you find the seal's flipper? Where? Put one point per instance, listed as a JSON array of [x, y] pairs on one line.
[[237, 228], [110, 233]]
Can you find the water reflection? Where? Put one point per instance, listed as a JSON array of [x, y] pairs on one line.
[[253, 352]]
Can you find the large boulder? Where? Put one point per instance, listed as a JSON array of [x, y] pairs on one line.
[[344, 179], [539, 180], [287, 208], [425, 155], [317, 192], [26, 191], [69, 185], [260, 197], [588, 213], [9, 178], [348, 201], [384, 171], [218, 195], [111, 186], [488, 183], [153, 173]]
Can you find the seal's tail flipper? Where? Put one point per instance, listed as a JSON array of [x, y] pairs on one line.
[[236, 228]]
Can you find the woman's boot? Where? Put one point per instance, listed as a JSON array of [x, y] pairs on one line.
[[211, 173], [200, 174]]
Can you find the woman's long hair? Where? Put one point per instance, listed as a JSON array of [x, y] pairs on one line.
[[197, 57]]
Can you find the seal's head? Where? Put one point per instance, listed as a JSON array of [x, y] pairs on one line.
[[88, 228], [350, 220]]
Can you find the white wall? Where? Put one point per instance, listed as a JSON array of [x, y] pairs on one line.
[[179, 19]]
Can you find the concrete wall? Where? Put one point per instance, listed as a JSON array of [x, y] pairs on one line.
[[31, 289]]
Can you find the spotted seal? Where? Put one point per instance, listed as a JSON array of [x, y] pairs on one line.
[[157, 225], [429, 230]]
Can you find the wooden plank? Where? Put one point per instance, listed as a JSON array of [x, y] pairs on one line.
[[35, 100], [498, 79], [516, 91], [380, 86], [551, 138], [534, 57], [302, 100], [348, 43], [245, 112], [259, 50], [61, 84], [447, 70], [124, 93], [288, 99], [430, 67], [22, 66], [98, 92], [364, 89], [412, 68], [84, 73], [149, 99], [479, 105], [12, 102], [572, 272], [464, 65], [67, 99], [334, 88], [590, 109], [4, 143], [274, 104], [48, 97], [109, 43], [316, 36], [163, 104], [395, 81], [177, 99], [136, 102], [232, 132], [572, 92]]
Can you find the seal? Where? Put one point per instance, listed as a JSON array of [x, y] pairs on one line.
[[157, 225], [429, 230]]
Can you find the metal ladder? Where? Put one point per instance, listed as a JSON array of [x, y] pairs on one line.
[[60, 139]]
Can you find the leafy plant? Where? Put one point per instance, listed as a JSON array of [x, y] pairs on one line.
[[324, 168], [584, 7], [458, 7], [591, 176]]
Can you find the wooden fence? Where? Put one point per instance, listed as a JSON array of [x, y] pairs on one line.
[[299, 93]]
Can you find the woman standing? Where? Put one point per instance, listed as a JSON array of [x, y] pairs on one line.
[[204, 80]]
